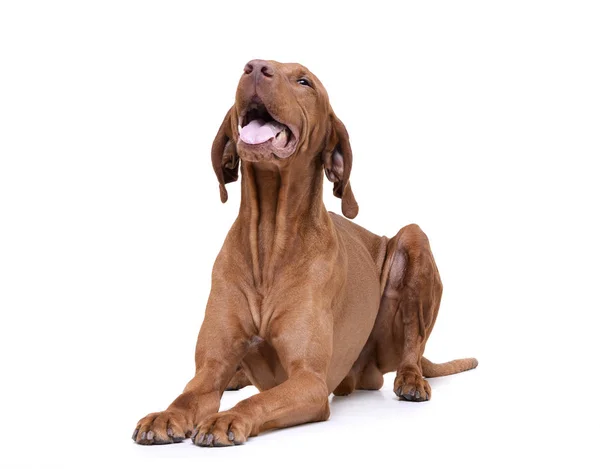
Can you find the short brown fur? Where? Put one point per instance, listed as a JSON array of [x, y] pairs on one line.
[[303, 302]]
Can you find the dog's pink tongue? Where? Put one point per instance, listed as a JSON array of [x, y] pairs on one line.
[[257, 131]]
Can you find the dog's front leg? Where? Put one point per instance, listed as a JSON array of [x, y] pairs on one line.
[[303, 342], [222, 342]]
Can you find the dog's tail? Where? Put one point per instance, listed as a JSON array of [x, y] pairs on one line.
[[433, 370]]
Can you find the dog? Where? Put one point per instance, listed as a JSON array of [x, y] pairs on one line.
[[303, 302]]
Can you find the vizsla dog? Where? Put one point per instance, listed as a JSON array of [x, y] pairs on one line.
[[303, 302]]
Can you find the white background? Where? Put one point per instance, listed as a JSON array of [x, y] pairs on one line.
[[479, 121]]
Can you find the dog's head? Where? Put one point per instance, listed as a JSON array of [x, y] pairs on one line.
[[282, 114]]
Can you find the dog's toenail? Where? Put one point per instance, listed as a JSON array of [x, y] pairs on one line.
[[230, 436], [209, 439], [417, 395], [170, 431], [150, 435], [143, 436], [135, 434]]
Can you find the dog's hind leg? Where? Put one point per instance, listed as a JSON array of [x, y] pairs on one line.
[[412, 297]]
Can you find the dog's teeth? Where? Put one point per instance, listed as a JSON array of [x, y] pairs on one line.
[[239, 128], [281, 138]]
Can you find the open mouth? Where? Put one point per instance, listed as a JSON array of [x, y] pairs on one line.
[[257, 127]]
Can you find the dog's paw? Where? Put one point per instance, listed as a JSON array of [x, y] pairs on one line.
[[222, 429], [410, 386], [161, 428]]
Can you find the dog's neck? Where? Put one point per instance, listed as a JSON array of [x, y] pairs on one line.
[[281, 211]]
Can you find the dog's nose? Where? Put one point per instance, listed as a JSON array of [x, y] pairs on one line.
[[260, 67]]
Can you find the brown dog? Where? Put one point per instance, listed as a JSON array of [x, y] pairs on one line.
[[305, 301]]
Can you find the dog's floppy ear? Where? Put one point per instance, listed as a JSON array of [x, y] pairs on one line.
[[337, 160], [225, 159]]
